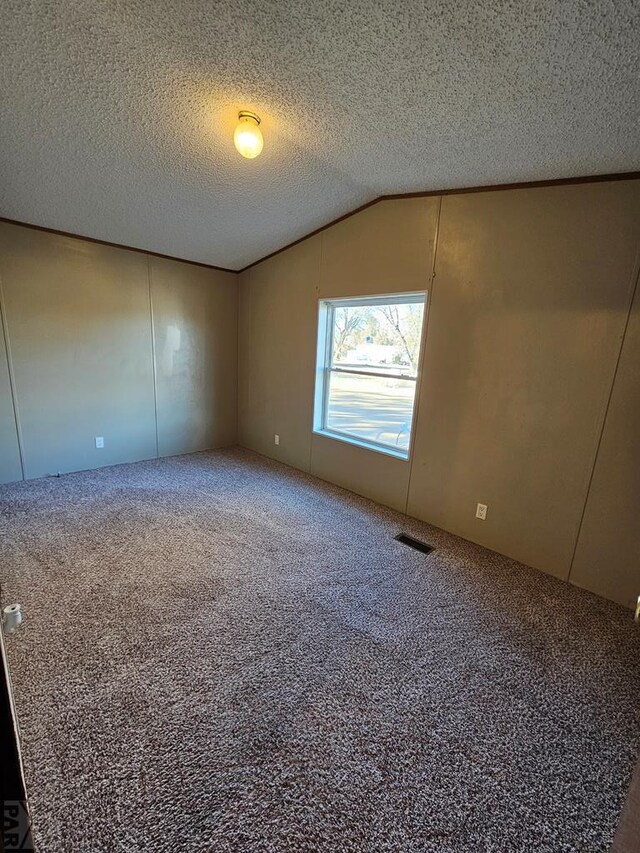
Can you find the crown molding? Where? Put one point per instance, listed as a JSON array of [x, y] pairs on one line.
[[113, 245], [556, 182]]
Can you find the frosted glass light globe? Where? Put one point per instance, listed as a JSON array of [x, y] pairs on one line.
[[247, 136]]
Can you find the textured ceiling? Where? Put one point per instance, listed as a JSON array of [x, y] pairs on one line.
[[116, 118]]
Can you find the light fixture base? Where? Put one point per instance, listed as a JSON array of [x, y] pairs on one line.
[[246, 114]]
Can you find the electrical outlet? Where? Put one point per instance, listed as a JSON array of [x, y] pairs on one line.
[[481, 512], [276, 439], [99, 441]]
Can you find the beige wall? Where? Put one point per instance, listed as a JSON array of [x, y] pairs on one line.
[[525, 314], [10, 467], [196, 348], [78, 317], [277, 320], [529, 304], [607, 558], [386, 248], [529, 298]]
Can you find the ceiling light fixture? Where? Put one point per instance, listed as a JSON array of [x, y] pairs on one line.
[[247, 136]]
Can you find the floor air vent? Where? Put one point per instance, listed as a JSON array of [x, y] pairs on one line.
[[414, 543]]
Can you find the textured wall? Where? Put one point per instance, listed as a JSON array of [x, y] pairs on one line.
[[526, 314], [79, 323]]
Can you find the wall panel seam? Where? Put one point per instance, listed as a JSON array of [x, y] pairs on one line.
[[635, 276], [316, 303], [246, 346], [153, 357], [423, 356], [12, 380]]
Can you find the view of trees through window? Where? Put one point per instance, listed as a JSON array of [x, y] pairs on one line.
[[370, 379], [381, 336]]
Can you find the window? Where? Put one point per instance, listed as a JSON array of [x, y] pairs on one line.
[[368, 354]]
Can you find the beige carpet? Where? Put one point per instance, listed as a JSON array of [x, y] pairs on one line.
[[222, 654]]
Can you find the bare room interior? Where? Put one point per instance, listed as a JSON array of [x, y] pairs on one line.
[[320, 426]]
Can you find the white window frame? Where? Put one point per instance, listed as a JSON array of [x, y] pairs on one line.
[[324, 368]]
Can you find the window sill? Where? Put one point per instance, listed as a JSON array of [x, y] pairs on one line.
[[365, 445]]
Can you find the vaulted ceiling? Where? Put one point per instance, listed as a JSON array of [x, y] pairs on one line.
[[116, 118]]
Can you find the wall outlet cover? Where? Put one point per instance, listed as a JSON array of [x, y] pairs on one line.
[[276, 439], [99, 441], [481, 512]]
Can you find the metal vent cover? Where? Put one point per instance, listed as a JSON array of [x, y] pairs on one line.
[[414, 543]]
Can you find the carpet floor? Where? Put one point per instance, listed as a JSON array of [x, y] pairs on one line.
[[223, 654]]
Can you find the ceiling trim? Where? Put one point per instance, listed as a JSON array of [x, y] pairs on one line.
[[113, 245], [555, 182]]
